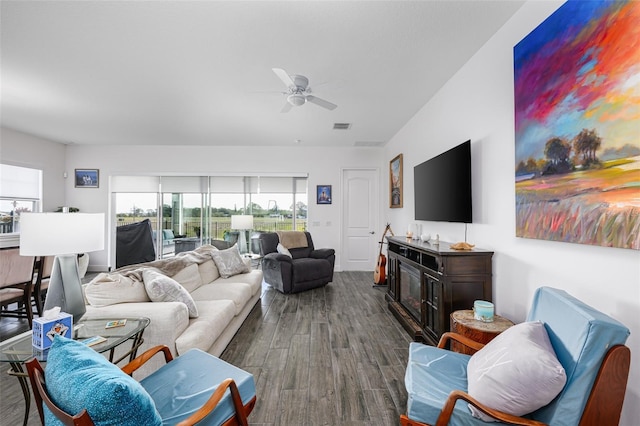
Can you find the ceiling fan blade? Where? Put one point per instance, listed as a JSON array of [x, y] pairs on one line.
[[287, 107], [321, 102], [282, 75]]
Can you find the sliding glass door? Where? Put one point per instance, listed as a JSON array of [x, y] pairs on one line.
[[187, 211]]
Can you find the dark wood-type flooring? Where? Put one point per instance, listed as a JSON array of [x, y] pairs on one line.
[[329, 356]]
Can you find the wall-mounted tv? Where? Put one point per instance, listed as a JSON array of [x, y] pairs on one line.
[[442, 186]]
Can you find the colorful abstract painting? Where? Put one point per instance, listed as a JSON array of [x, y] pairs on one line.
[[577, 126]]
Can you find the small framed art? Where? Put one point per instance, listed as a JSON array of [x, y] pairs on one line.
[[395, 182], [87, 178], [323, 194]]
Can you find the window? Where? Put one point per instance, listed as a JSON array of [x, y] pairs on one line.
[[20, 191]]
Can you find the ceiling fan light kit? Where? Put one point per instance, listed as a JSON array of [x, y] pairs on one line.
[[298, 91], [296, 99]]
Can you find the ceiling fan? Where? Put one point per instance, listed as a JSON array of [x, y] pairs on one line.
[[298, 91]]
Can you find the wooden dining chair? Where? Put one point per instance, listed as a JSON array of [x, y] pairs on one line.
[[16, 280], [44, 266]]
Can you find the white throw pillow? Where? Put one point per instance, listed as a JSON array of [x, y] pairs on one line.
[[189, 277], [283, 250], [517, 372], [229, 262], [110, 289], [161, 288]]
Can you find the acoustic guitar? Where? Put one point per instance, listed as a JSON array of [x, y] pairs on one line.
[[379, 274]]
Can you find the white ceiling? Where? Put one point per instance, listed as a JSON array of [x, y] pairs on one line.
[[199, 72]]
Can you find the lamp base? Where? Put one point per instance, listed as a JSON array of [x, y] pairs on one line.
[[242, 242], [65, 287]]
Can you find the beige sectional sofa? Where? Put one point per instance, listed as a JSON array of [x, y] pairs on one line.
[[222, 286]]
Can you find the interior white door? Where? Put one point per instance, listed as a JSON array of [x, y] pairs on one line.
[[360, 219]]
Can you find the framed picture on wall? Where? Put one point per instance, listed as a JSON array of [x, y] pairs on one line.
[[395, 182], [323, 194], [87, 178]]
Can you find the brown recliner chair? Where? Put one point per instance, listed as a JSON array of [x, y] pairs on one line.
[[307, 267]]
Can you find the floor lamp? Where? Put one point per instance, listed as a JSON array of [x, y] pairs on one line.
[[62, 235], [242, 223]]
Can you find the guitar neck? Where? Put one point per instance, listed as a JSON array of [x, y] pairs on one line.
[[388, 228]]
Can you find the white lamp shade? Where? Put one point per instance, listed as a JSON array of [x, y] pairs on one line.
[[242, 221], [55, 234]]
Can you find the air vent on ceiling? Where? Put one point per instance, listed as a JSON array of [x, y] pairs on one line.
[[341, 126], [369, 143]]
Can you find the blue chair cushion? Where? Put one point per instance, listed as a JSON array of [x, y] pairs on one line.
[[432, 374], [580, 336], [181, 387], [77, 377], [167, 235]]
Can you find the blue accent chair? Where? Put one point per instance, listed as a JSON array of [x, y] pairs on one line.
[[193, 388], [588, 344]]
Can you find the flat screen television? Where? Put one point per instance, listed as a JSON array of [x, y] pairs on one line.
[[442, 186]]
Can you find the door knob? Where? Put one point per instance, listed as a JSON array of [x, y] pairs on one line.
[[372, 232]]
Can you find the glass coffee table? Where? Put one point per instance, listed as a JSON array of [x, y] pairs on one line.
[[19, 349]]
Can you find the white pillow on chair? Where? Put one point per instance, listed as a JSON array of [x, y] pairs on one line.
[[283, 250], [517, 372]]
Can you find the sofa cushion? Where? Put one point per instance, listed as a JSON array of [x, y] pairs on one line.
[[110, 289], [229, 262], [80, 378], [252, 278], [215, 316], [189, 277], [237, 292], [161, 288], [208, 271], [517, 372], [168, 321]]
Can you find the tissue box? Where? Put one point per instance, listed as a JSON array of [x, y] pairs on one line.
[[44, 330]]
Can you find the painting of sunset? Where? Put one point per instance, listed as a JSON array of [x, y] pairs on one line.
[[577, 126]]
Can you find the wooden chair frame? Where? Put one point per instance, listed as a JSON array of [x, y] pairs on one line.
[[604, 405], [44, 265], [36, 376], [17, 275]]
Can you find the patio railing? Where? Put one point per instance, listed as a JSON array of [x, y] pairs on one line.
[[191, 227]]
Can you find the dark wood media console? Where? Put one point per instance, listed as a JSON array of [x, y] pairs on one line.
[[427, 282]]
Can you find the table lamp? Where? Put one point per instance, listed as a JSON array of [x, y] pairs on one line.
[[63, 235], [242, 223]]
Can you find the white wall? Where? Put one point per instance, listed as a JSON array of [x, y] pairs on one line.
[[477, 104], [323, 166]]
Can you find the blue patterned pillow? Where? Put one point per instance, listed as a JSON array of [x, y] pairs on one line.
[[78, 377]]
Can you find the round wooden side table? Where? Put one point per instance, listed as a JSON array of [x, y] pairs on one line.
[[463, 322]]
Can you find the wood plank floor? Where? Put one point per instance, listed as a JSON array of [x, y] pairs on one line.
[[329, 356]]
